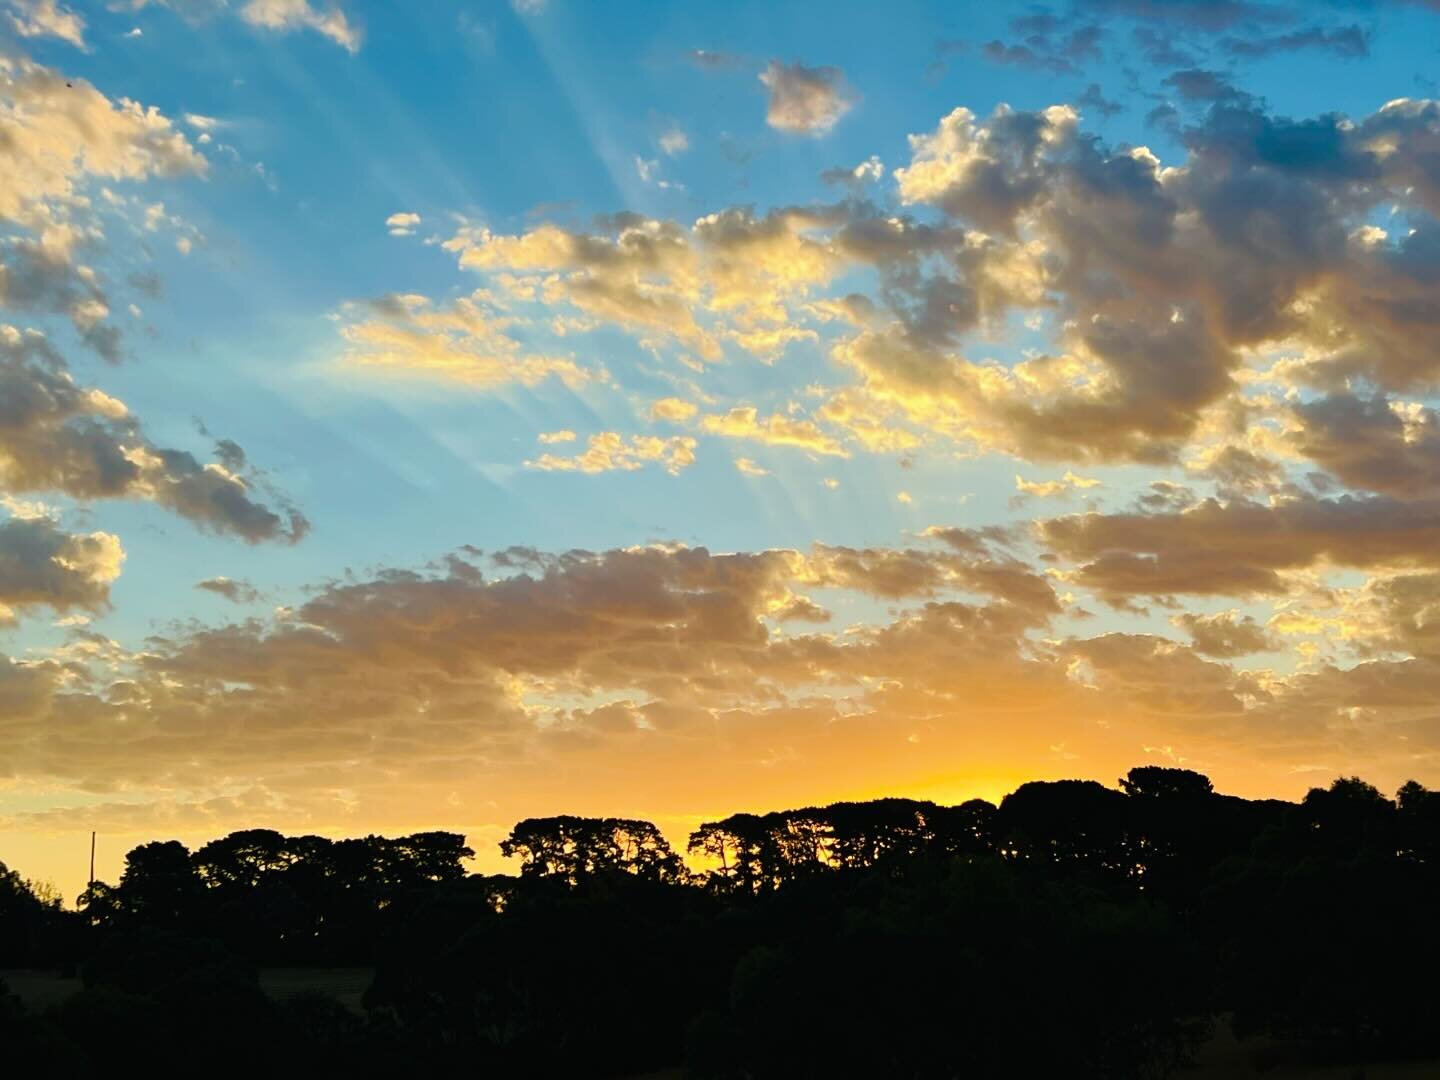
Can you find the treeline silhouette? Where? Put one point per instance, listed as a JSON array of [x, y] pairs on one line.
[[1074, 930]]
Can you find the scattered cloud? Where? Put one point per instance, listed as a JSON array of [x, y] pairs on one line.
[[464, 341], [287, 15], [609, 451], [1049, 489], [805, 101], [403, 224], [711, 60], [1227, 634], [280, 16], [46, 18], [673, 141], [236, 591], [675, 410], [1345, 41], [777, 429], [59, 436], [42, 565]]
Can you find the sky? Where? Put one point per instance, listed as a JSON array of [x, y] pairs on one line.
[[433, 415]]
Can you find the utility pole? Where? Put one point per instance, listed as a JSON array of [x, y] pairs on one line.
[[92, 859]]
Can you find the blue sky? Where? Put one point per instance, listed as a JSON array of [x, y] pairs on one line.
[[385, 249]]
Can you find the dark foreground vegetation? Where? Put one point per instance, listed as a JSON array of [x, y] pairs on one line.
[[1074, 931]]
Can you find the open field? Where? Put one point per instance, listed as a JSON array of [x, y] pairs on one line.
[[39, 988], [1225, 1056], [1221, 1058]]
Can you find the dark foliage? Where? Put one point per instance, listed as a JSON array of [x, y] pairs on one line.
[[1074, 930]]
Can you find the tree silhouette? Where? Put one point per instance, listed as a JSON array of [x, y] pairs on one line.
[[1073, 930], [576, 849]]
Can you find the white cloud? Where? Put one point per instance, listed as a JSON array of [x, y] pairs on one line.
[[674, 141], [286, 15], [45, 18], [403, 223]]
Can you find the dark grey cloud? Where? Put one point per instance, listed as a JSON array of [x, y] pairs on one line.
[[1226, 635], [59, 436], [1345, 41], [236, 591], [1197, 84], [1240, 547], [1046, 43], [1372, 445], [1094, 100], [37, 280], [43, 565]]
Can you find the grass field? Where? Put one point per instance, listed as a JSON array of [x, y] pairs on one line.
[[1225, 1056], [40, 988], [1222, 1057]]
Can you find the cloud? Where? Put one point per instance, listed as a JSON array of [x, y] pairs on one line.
[[988, 171], [54, 137], [279, 16], [609, 451], [1348, 42], [288, 15], [871, 170], [1093, 100], [62, 144], [1206, 15], [675, 410], [582, 662], [59, 436], [464, 341], [731, 275], [1042, 48], [34, 278], [1374, 444], [747, 467], [1227, 634], [805, 101], [41, 565], [238, 592], [673, 140], [46, 18], [1239, 547], [743, 422], [493, 660], [402, 224], [1196, 84], [1161, 290], [1049, 489], [711, 60], [549, 438], [535, 678]]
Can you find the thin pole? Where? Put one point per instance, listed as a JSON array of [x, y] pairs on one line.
[[92, 858]]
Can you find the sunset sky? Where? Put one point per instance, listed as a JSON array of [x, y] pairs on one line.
[[429, 415]]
